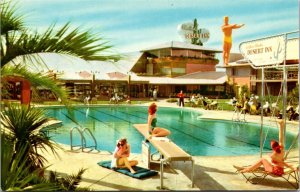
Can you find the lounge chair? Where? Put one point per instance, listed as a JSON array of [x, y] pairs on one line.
[[261, 174], [213, 105]]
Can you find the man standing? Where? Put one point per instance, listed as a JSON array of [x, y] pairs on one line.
[[227, 43], [181, 98], [154, 94]]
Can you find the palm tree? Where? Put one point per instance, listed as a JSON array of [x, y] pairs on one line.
[[16, 174], [21, 125], [196, 32], [69, 182], [20, 47]]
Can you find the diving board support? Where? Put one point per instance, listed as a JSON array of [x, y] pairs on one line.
[[167, 148], [146, 154], [162, 171]]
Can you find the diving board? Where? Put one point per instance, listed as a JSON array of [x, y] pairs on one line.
[[169, 150]]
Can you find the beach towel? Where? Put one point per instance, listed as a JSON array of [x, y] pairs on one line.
[[140, 171]]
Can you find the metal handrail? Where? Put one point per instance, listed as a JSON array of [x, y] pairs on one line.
[[91, 134], [81, 137]]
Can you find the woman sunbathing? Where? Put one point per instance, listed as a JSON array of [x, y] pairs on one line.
[[121, 154], [277, 164]]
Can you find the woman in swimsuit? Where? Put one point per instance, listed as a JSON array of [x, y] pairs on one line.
[[227, 42], [152, 120], [121, 154], [277, 156]]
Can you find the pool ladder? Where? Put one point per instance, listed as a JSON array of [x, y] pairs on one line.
[[81, 132]]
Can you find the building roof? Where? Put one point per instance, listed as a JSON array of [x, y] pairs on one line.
[[214, 75], [198, 78], [71, 75], [73, 68], [129, 61], [238, 63], [181, 45]]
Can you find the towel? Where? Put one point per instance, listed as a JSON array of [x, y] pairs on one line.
[[140, 171]]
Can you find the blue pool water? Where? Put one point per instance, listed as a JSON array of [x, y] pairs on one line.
[[194, 135]]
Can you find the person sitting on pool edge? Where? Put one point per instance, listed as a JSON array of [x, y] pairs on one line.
[[121, 154], [277, 156], [152, 120]]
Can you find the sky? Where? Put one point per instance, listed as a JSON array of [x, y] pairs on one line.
[[134, 25]]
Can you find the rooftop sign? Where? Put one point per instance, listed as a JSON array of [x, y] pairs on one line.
[[187, 33], [262, 52]]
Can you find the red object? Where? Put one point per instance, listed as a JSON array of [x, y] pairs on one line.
[[152, 109], [180, 95], [25, 88], [25, 92], [278, 170]]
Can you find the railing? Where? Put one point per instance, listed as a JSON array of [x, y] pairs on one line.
[[91, 134], [82, 138], [276, 75]]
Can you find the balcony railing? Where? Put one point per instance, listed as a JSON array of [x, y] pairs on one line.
[[276, 75]]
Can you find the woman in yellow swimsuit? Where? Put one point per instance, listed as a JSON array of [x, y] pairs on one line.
[[227, 30], [121, 154]]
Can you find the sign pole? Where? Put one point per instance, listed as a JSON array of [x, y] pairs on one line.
[[269, 52], [284, 90], [262, 110]]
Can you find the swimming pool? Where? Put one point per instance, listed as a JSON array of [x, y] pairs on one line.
[[194, 135]]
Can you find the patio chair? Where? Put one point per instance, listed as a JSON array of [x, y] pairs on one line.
[[213, 105], [261, 174]]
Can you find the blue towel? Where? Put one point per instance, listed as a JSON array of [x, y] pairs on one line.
[[140, 171]]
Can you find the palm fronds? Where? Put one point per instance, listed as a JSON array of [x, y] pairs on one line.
[[22, 124], [68, 182], [10, 20], [84, 44], [36, 79], [15, 172]]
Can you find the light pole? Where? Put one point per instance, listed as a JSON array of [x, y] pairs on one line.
[[128, 82]]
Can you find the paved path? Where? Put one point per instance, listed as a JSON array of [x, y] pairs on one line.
[[211, 173]]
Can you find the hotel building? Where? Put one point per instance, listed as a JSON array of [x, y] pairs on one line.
[[168, 68]]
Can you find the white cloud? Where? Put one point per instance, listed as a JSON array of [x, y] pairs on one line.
[[109, 17]]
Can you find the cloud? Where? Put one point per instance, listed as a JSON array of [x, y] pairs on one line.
[[128, 24]]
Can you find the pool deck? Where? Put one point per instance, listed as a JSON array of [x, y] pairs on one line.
[[211, 173]]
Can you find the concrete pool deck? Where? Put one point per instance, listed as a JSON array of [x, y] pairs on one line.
[[211, 173]]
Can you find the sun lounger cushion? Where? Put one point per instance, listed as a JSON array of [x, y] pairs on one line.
[[140, 171]]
